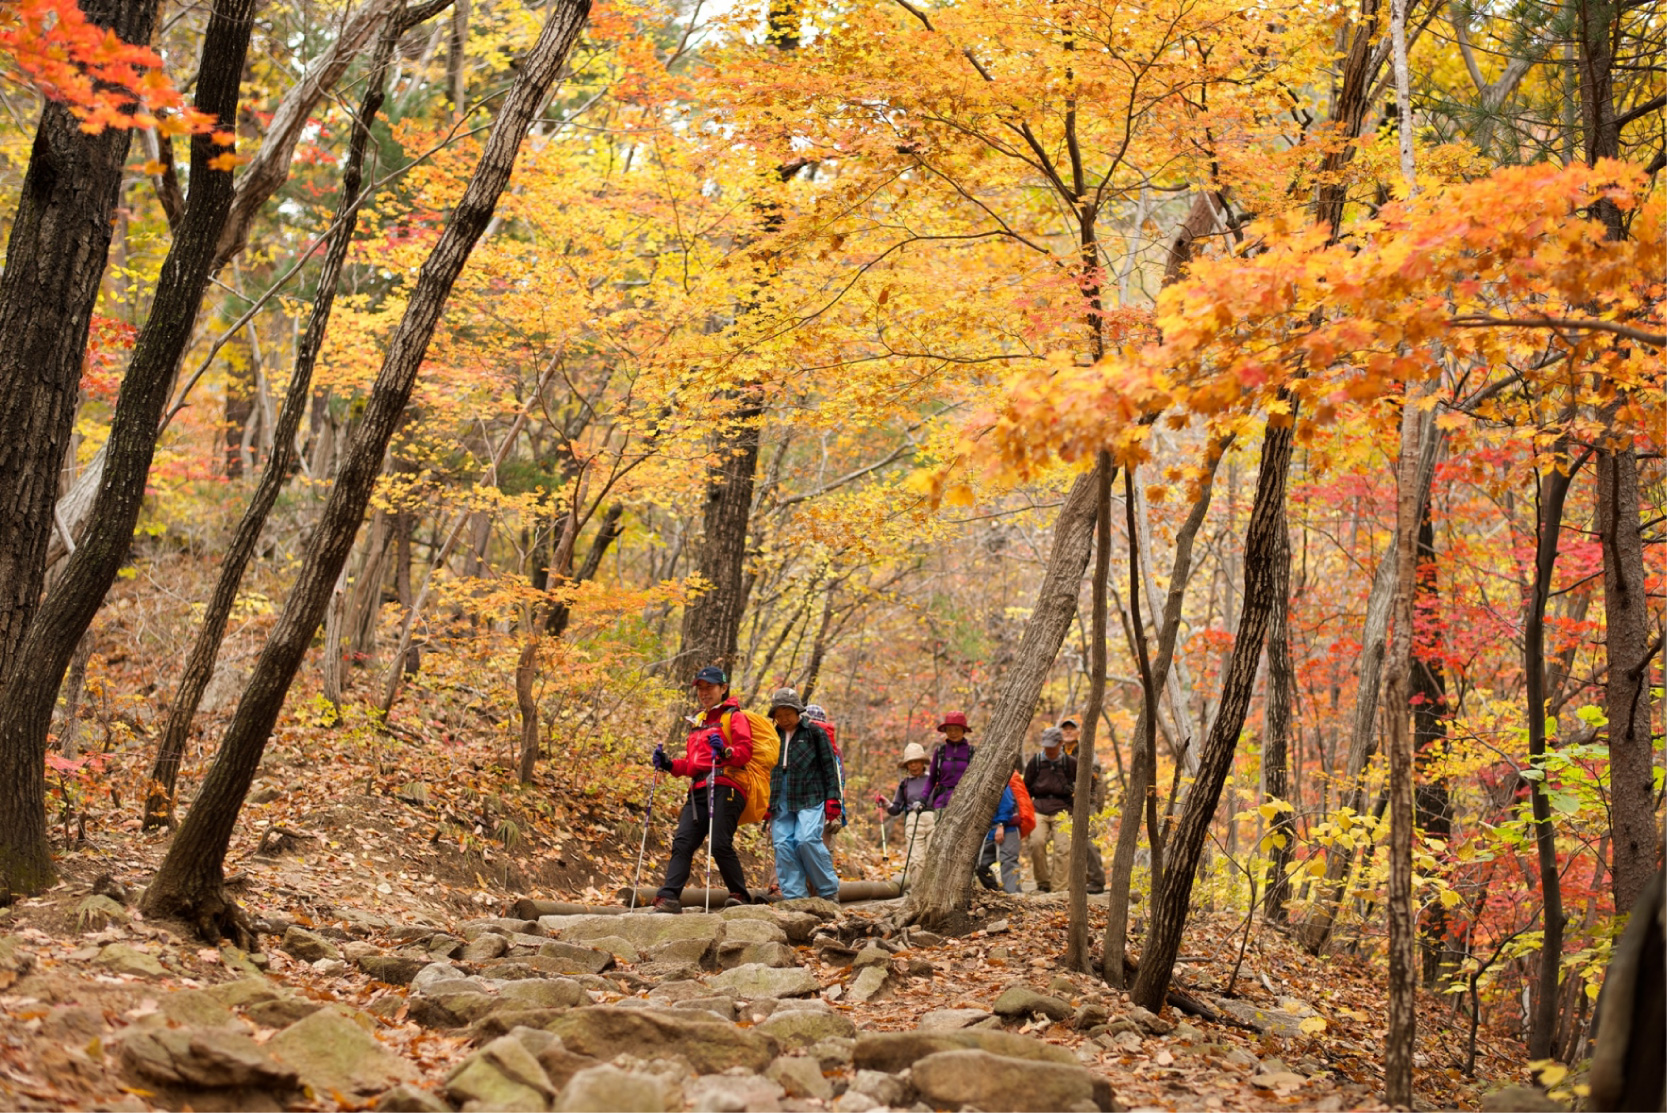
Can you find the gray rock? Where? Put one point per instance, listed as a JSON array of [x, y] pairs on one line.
[[621, 948], [410, 1099], [957, 1078], [331, 1052], [823, 910], [545, 993], [1089, 1016], [452, 1005], [734, 1093], [499, 925], [642, 930], [1270, 1022], [833, 1054], [1022, 1001], [711, 1046], [732, 954], [390, 968], [871, 955], [721, 1007], [887, 1089], [607, 1089], [119, 958], [893, 1051], [330, 967], [307, 946], [574, 959], [754, 930], [950, 1020], [800, 1077], [804, 1027], [855, 1101], [485, 947], [673, 992], [282, 1010], [1520, 1099], [196, 1008], [207, 1059], [755, 980], [1150, 1021], [441, 945], [867, 985], [97, 912], [925, 939], [501, 1075], [689, 952]]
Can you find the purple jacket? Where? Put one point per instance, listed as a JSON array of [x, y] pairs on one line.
[[949, 762]]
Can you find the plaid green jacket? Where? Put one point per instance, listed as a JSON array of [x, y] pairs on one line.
[[804, 775]]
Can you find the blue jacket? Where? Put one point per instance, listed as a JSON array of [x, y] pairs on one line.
[[1007, 814]]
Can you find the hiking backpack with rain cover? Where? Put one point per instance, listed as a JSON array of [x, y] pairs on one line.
[[754, 776]]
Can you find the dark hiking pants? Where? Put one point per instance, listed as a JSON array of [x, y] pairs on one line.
[[691, 832]]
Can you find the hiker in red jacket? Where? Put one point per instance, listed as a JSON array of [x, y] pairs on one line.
[[705, 753]]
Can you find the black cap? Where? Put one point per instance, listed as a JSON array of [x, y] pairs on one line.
[[711, 674], [1068, 722]]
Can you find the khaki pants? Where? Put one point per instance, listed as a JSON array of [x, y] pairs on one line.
[[1046, 867], [917, 830]]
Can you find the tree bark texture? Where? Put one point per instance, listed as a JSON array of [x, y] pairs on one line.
[[189, 882], [1277, 748], [55, 256], [1542, 1030], [1636, 838], [712, 621], [938, 893], [1142, 788], [1429, 735], [1170, 903], [1076, 939], [32, 685], [199, 669], [1403, 941]]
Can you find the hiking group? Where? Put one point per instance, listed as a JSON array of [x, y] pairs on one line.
[[785, 771]]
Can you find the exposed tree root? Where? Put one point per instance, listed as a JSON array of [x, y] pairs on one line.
[[211, 913]]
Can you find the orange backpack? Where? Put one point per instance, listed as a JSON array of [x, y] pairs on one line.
[[1027, 809], [754, 776]]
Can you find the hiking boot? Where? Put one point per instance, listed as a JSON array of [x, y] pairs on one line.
[[1096, 890], [736, 900], [987, 880], [671, 906]]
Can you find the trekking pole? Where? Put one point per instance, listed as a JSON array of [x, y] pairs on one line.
[[642, 851], [909, 855], [711, 820]]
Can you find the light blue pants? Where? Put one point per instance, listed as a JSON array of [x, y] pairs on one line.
[[801, 855]]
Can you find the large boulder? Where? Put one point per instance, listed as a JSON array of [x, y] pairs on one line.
[[393, 969], [643, 930], [545, 993], [798, 926], [607, 1089], [331, 1053], [756, 980], [753, 930], [893, 1051], [732, 954], [120, 958], [804, 1027], [952, 1079], [501, 1075], [710, 1046]]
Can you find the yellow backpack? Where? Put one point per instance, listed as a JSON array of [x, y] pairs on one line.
[[754, 776]]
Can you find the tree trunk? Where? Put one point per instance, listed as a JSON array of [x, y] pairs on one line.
[[1170, 903], [32, 685], [1429, 734], [1553, 489], [55, 256], [1403, 931], [366, 606], [1276, 752], [199, 669], [605, 537], [1076, 940], [938, 893], [1142, 790], [1636, 837], [712, 622], [189, 883]]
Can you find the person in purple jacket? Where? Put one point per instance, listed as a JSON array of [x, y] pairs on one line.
[[949, 761]]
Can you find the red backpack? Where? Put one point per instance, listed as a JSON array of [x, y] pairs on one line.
[[1027, 809]]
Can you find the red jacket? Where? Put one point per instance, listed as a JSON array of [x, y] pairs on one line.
[[697, 759]]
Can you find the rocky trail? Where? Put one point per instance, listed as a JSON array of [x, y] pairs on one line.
[[801, 1005]]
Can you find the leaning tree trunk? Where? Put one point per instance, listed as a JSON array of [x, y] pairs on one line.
[[1076, 939], [32, 686], [939, 894], [1627, 691], [159, 796], [1554, 489], [1276, 756], [1141, 792], [1186, 845], [55, 256], [712, 622], [190, 882]]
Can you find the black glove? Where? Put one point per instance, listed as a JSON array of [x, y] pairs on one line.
[[661, 762]]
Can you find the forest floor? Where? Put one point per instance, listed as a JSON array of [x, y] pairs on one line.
[[380, 867], [89, 990]]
